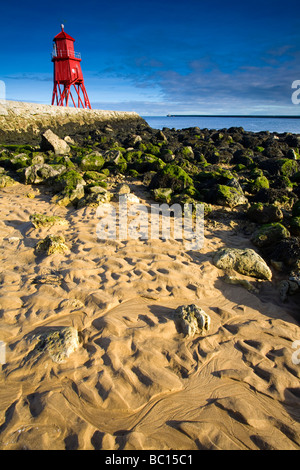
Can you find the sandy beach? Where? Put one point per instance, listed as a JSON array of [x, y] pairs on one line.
[[136, 382]]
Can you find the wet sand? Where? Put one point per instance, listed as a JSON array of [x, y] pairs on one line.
[[136, 382]]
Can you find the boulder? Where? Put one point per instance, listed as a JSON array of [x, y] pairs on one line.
[[41, 172], [192, 320], [269, 234], [52, 244], [96, 195], [59, 343], [123, 189], [283, 197], [244, 261], [171, 176], [264, 213], [162, 194], [42, 220], [70, 186], [286, 251], [92, 162], [51, 141], [260, 182], [228, 196], [6, 181]]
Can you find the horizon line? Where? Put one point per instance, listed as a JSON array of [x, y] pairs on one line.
[[264, 116]]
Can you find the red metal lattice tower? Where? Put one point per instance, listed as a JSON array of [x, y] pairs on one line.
[[67, 73]]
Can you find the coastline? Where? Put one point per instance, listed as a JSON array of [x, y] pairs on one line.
[[134, 379]]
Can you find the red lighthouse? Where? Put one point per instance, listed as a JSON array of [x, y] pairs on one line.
[[67, 73]]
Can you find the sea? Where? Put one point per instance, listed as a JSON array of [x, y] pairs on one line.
[[252, 124]]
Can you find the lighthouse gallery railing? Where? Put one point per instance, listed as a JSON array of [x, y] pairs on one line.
[[65, 54]]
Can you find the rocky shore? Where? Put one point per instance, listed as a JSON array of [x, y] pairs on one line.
[[255, 175], [139, 344]]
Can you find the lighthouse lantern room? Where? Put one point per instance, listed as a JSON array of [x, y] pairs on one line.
[[68, 79]]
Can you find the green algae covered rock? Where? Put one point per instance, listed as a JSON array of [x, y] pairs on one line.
[[20, 161], [42, 172], [264, 213], [244, 261], [6, 181], [92, 162], [192, 320], [162, 194], [94, 177], [42, 220], [171, 176], [96, 195], [52, 244], [71, 188], [269, 234], [288, 167], [259, 183], [228, 196]]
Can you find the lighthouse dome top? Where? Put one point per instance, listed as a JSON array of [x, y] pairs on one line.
[[63, 35]]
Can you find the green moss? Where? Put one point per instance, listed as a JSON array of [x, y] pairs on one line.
[[255, 172], [94, 177], [165, 152], [140, 146], [19, 148], [52, 244], [92, 162], [20, 161], [286, 182], [6, 181], [163, 194], [133, 173], [240, 167], [228, 196], [269, 234], [153, 149], [186, 152], [121, 164], [261, 182], [41, 220], [259, 149], [175, 172], [153, 163], [71, 187], [133, 155], [117, 147], [63, 160], [70, 179], [288, 167], [264, 213], [146, 162]]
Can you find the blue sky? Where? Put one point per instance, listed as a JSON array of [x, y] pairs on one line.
[[159, 57]]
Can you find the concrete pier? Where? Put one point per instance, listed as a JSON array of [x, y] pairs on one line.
[[22, 122]]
